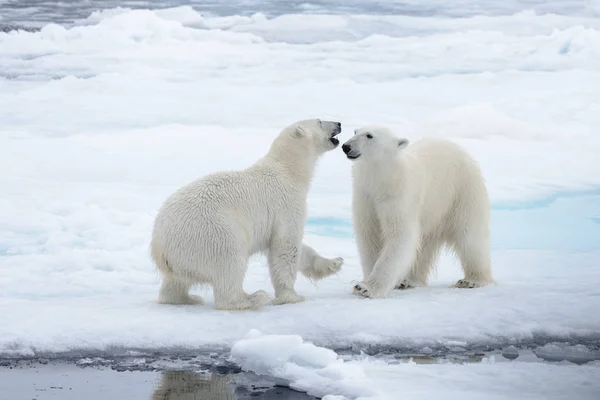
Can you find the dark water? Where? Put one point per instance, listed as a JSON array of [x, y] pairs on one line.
[[211, 376], [33, 14], [41, 380], [195, 378]]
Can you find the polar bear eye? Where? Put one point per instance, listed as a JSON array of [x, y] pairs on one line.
[[369, 136]]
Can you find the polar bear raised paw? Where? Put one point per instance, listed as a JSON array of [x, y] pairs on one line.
[[333, 266], [324, 267], [315, 267], [336, 264]]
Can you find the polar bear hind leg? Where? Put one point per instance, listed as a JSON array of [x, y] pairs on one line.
[[472, 245], [228, 286], [175, 291], [475, 262]]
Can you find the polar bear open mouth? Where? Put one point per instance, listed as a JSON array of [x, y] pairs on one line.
[[333, 138]]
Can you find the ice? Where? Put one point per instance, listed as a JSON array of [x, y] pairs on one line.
[[559, 351], [103, 118], [78, 307], [368, 378], [299, 365]]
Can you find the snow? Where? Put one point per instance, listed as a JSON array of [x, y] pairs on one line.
[[103, 119], [319, 372]]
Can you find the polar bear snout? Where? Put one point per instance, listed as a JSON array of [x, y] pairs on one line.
[[336, 128], [350, 153]]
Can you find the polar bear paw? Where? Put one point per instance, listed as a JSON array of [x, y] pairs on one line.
[[174, 292], [361, 289], [259, 299], [180, 299], [466, 284], [252, 301], [323, 268], [405, 284], [194, 300], [335, 265], [288, 298]]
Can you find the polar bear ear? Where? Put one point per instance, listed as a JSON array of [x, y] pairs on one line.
[[402, 143], [299, 132]]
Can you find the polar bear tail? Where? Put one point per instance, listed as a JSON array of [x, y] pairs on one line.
[[160, 259]]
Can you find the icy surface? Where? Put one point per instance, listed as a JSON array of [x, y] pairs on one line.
[[319, 372], [101, 120], [36, 13]]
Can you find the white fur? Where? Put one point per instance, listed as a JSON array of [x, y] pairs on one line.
[[409, 201], [206, 231]]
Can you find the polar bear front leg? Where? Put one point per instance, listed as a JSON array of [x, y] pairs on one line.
[[315, 267], [395, 261], [426, 257], [367, 232], [284, 257]]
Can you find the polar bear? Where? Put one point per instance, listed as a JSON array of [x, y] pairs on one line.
[[409, 201], [205, 232]]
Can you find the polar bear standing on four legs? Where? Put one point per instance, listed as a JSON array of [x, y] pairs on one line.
[[206, 231], [409, 201]]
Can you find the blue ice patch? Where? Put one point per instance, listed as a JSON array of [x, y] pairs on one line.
[[328, 226], [565, 221]]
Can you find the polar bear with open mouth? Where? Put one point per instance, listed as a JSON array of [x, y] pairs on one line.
[[206, 231]]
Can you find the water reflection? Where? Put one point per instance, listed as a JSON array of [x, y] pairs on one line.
[[180, 385], [186, 385], [424, 359]]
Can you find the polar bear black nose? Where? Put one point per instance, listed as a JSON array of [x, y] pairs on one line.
[[345, 148]]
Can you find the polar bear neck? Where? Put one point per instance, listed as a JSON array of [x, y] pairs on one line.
[[383, 174], [297, 160]]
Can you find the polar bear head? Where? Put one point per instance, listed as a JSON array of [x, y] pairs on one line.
[[320, 135], [373, 143]]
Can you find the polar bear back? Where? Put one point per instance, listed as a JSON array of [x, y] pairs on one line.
[[446, 180], [242, 203]]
